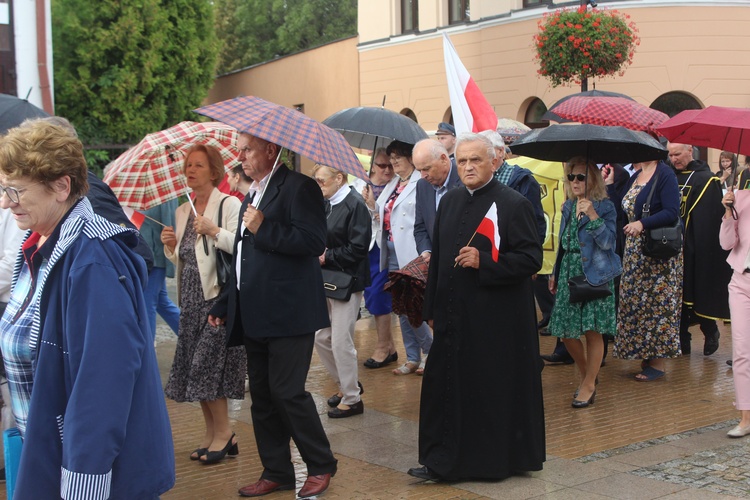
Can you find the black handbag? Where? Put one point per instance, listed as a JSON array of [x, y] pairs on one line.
[[661, 242], [337, 284], [223, 259], [583, 291]]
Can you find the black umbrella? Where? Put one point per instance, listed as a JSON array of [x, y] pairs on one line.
[[365, 127], [597, 143], [13, 111], [551, 115]]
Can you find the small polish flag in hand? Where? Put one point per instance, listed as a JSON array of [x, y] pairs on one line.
[[135, 216], [488, 228]]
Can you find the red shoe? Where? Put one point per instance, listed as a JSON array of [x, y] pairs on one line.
[[263, 487], [315, 485]]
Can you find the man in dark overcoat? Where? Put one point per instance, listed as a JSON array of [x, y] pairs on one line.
[[484, 318], [705, 296], [273, 304]]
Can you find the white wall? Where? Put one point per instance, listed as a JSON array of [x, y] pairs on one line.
[[25, 40]]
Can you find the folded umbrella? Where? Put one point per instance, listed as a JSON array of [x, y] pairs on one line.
[[288, 128], [407, 287]]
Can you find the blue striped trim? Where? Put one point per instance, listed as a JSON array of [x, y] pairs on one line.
[[77, 486], [60, 425]]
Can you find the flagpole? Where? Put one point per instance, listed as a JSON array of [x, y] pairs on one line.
[[469, 243]]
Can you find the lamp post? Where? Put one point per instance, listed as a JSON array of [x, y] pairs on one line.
[[585, 80]]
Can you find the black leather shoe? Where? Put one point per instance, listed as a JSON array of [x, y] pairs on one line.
[[335, 400], [729, 362], [556, 359], [685, 344], [355, 409], [371, 363], [423, 473], [711, 345]]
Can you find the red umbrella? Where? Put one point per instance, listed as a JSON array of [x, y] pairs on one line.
[[150, 173], [716, 127], [289, 129], [610, 111]]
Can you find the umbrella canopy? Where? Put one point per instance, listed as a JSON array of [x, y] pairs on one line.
[[511, 129], [613, 111], [597, 143], [289, 129], [551, 115], [716, 127], [149, 173], [367, 128], [14, 110], [407, 286]]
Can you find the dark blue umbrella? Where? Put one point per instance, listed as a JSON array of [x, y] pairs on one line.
[[366, 127]]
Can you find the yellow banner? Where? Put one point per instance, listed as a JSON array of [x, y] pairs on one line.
[[549, 175]]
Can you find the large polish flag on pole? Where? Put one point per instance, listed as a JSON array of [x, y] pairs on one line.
[[471, 111]]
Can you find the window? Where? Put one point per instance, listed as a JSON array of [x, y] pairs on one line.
[[535, 3], [534, 113], [409, 114], [409, 16], [458, 11]]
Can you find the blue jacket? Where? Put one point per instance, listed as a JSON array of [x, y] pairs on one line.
[[665, 204], [598, 257], [524, 182], [97, 424]]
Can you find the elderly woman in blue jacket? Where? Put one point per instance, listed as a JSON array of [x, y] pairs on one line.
[[586, 247], [84, 382]]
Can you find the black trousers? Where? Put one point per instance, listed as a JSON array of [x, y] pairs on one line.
[[707, 325], [544, 297], [282, 409]]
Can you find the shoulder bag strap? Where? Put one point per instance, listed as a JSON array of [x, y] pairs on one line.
[[646, 211], [221, 210]]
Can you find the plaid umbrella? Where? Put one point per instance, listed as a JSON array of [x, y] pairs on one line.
[[611, 111], [289, 129], [550, 115], [407, 286], [150, 173]]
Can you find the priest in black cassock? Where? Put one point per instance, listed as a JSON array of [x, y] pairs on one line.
[[481, 411]]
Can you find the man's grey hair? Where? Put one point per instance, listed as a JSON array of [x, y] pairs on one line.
[[472, 137], [435, 148], [495, 138]]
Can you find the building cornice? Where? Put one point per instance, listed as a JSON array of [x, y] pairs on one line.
[[526, 14]]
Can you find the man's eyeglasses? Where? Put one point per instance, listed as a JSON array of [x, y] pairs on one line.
[[383, 165], [579, 177]]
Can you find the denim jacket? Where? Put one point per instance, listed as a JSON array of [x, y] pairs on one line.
[[600, 262]]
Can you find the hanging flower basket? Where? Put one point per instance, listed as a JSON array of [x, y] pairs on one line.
[[573, 44]]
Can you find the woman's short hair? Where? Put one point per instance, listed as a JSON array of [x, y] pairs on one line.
[[44, 152], [400, 148], [729, 156], [334, 172], [215, 162], [595, 188]]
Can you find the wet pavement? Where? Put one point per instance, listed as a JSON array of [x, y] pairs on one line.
[[662, 439]]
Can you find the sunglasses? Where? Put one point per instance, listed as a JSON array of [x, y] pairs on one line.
[[579, 177], [384, 165]]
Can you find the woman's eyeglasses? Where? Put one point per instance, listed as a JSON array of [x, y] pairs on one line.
[[579, 177], [13, 194], [383, 165]]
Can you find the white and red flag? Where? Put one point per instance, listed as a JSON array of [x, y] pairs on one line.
[[471, 111], [488, 228], [136, 217]]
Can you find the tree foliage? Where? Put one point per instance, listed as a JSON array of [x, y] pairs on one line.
[[125, 68], [253, 31]]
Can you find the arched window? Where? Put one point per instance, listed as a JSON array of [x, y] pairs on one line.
[[448, 116], [409, 114], [672, 103], [534, 112]]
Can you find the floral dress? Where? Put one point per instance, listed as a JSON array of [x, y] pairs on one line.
[[648, 320], [204, 369], [571, 321]]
